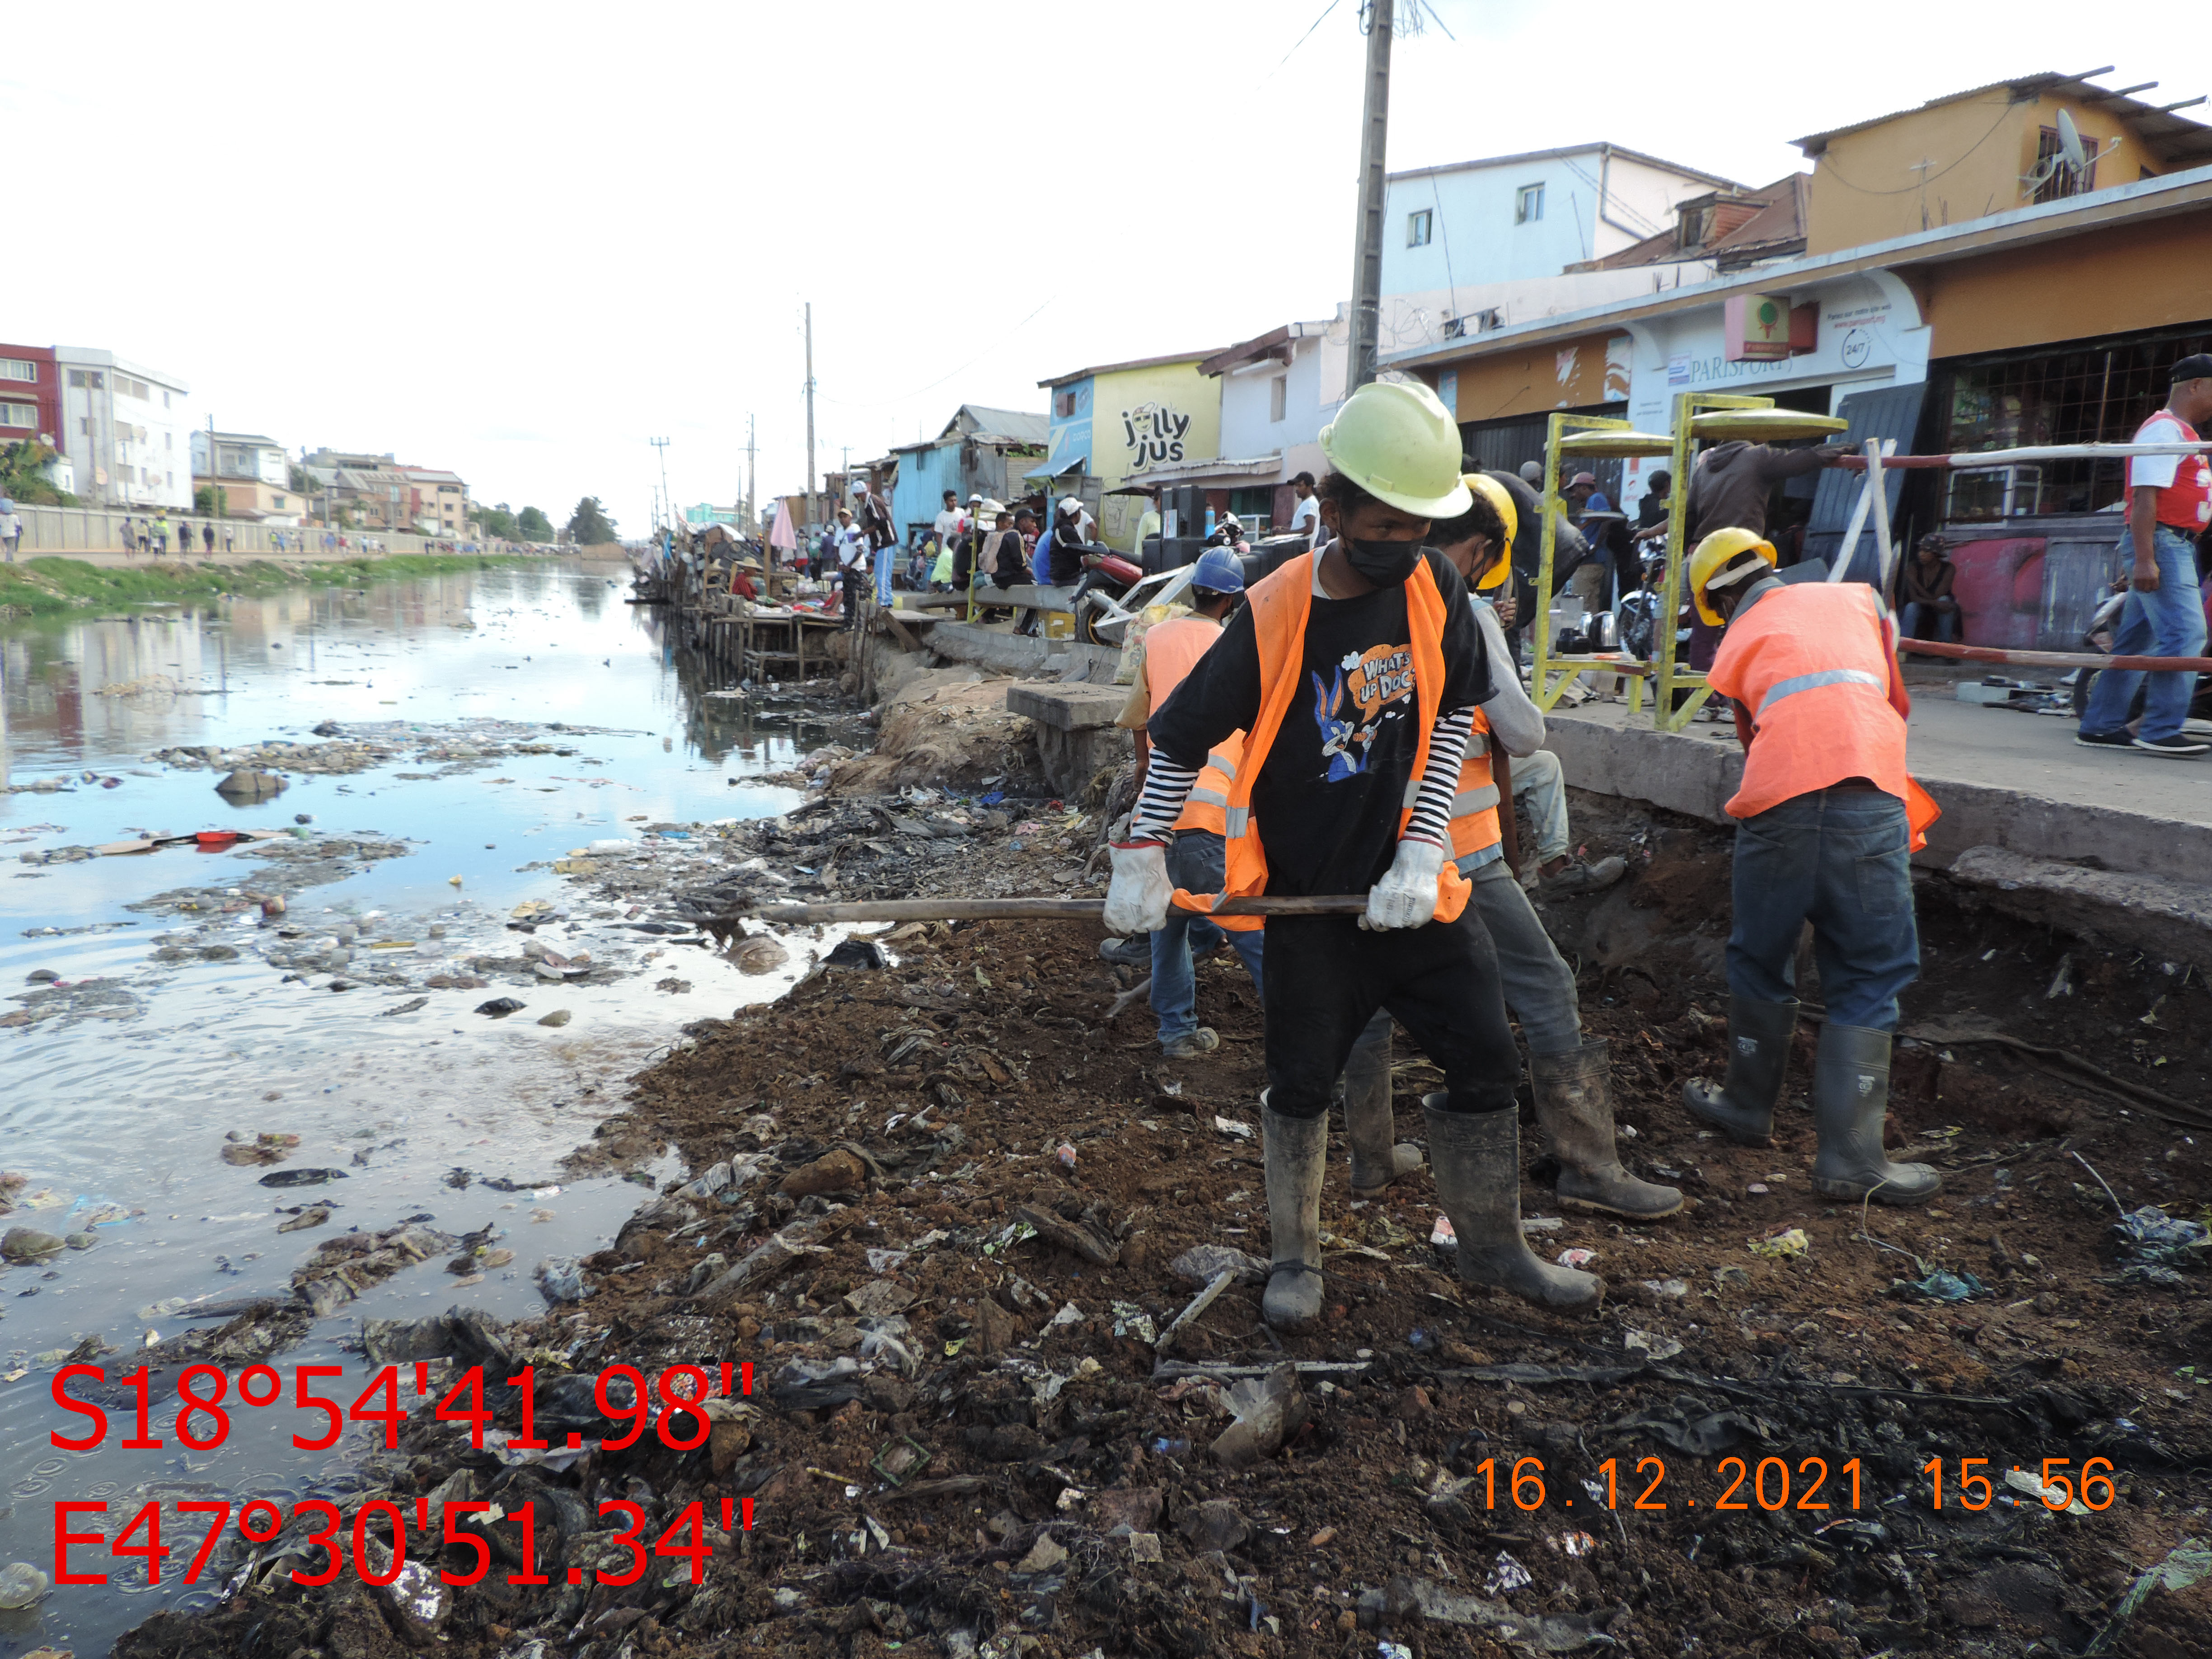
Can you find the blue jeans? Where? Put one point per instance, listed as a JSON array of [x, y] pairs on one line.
[[1836, 858], [1195, 860], [2168, 624], [1919, 617]]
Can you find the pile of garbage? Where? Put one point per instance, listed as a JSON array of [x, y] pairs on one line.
[[356, 746]]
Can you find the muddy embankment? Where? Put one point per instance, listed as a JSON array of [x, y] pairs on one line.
[[950, 1204]]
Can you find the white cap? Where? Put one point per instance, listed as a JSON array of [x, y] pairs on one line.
[[1071, 504]]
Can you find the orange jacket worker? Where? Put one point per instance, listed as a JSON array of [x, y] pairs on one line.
[[1355, 673], [1828, 819]]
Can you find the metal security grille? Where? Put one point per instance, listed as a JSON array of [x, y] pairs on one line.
[[2097, 392]]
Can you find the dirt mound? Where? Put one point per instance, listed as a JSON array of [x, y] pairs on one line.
[[950, 730]]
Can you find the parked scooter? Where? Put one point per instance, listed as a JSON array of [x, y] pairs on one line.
[[2104, 627]]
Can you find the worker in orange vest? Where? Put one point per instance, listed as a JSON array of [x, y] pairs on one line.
[[1195, 853], [1827, 819], [1355, 673], [1570, 1076]]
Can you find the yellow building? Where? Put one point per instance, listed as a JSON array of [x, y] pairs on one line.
[[1114, 423], [1988, 151]]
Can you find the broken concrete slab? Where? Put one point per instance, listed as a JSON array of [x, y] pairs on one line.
[[2160, 913]]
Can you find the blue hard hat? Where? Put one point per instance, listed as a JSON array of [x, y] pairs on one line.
[[1218, 571]]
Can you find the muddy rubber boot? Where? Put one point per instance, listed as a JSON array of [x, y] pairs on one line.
[[1368, 1125], [1297, 1157], [1758, 1059], [1477, 1156], [1574, 1108], [1850, 1099]]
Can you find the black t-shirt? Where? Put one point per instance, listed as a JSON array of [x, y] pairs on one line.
[[1328, 798]]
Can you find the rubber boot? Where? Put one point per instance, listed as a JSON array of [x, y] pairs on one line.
[[1368, 1125], [1758, 1059], [1850, 1099], [1297, 1157], [1574, 1107], [1477, 1156]]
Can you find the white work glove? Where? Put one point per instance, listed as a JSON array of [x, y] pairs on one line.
[[1406, 895], [1137, 899]]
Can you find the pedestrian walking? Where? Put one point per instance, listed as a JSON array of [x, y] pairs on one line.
[[207, 539], [146, 537], [2169, 504], [161, 535], [1571, 1077], [11, 531], [1826, 819], [1196, 846], [1355, 673], [229, 539]]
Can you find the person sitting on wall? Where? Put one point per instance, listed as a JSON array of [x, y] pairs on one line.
[[1927, 600]]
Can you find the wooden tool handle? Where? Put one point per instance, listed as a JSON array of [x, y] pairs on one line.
[[1023, 909]]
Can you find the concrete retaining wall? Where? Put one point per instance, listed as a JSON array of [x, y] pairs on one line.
[[1696, 774], [1017, 653]]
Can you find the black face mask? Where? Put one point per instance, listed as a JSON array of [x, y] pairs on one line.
[[1383, 564]]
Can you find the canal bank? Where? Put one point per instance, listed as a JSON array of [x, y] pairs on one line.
[[157, 1024]]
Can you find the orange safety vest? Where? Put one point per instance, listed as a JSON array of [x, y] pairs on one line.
[[1172, 649], [1813, 663], [1281, 604], [1474, 808]]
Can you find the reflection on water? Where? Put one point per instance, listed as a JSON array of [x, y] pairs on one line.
[[118, 1112]]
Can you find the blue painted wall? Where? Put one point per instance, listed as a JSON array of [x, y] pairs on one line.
[[924, 477], [1070, 433]]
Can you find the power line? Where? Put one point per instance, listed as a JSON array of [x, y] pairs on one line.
[[1302, 39], [887, 401]]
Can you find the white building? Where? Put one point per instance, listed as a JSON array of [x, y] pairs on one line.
[[1475, 246], [125, 429]]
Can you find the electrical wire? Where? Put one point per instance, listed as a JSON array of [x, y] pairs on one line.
[[1302, 39], [887, 401], [1924, 183]]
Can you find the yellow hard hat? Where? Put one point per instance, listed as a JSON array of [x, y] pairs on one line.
[[1395, 440], [1508, 515], [1714, 554]]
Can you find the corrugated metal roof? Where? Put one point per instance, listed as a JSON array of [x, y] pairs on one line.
[[1014, 425], [1134, 362], [2178, 142]]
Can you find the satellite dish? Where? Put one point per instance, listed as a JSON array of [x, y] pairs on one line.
[[2070, 143]]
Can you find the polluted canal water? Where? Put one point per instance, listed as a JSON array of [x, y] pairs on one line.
[[219, 1058]]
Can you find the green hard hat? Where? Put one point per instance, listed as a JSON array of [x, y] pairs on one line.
[[1397, 442]]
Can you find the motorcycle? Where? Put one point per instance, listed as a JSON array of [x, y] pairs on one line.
[[2104, 627], [1106, 577]]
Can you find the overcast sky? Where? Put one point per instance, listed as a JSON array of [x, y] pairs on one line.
[[518, 241]]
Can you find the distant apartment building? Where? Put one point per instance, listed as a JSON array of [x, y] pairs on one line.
[[438, 500], [30, 394], [383, 494], [125, 429], [251, 473]]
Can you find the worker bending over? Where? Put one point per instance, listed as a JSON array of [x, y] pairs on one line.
[[1827, 820], [1355, 673], [1194, 852], [1571, 1077]]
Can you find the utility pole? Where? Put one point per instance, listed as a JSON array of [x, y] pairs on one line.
[[667, 501], [752, 473], [810, 517], [1374, 143]]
